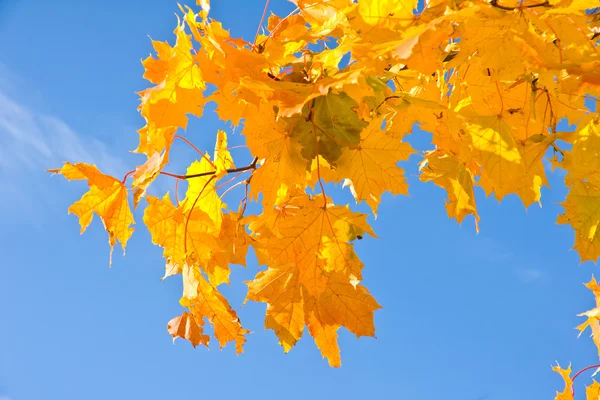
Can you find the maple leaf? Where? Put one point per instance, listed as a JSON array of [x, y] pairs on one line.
[[231, 247], [331, 123], [370, 166], [582, 204], [183, 234], [592, 392], [311, 264], [388, 13], [326, 17], [283, 163], [186, 327], [582, 212], [204, 301], [503, 168], [593, 315], [107, 197], [201, 191], [567, 393], [178, 93], [446, 171], [297, 234]]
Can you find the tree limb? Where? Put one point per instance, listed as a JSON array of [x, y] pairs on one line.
[[208, 173]]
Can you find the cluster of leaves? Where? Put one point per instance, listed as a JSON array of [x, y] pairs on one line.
[[489, 79]]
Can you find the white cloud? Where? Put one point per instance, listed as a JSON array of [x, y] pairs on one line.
[[528, 275], [494, 253], [488, 250], [32, 140]]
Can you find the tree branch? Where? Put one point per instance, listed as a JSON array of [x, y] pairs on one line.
[[208, 173], [494, 3]]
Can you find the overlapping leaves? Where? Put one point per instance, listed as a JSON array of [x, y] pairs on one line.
[[490, 80]]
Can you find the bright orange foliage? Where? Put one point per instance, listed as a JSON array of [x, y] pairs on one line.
[[490, 79]]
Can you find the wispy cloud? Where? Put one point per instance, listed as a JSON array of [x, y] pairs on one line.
[[492, 252], [489, 251], [32, 141], [529, 275]]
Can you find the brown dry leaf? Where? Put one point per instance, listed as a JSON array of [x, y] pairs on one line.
[[186, 327]]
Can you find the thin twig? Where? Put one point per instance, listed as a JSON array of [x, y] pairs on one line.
[[577, 374], [208, 173], [127, 176], [312, 120], [262, 19], [386, 99], [262, 45], [230, 180], [501, 100], [494, 3], [245, 199], [195, 148], [231, 187]]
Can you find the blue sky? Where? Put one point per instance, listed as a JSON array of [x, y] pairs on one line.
[[466, 316]]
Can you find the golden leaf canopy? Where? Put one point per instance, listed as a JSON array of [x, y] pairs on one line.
[[329, 95]]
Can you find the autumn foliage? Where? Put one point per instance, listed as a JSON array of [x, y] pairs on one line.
[[327, 94]]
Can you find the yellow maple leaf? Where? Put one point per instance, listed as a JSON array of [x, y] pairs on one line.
[[503, 168], [223, 160], [301, 231], [388, 13], [178, 93], [324, 16], [491, 43], [201, 192], [291, 307], [592, 392], [585, 153], [593, 315], [567, 393], [324, 330], [371, 166], [107, 197], [156, 70], [291, 36], [231, 247], [282, 291], [446, 171], [282, 162], [311, 267], [183, 234], [153, 139], [205, 301], [582, 212], [582, 204]]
